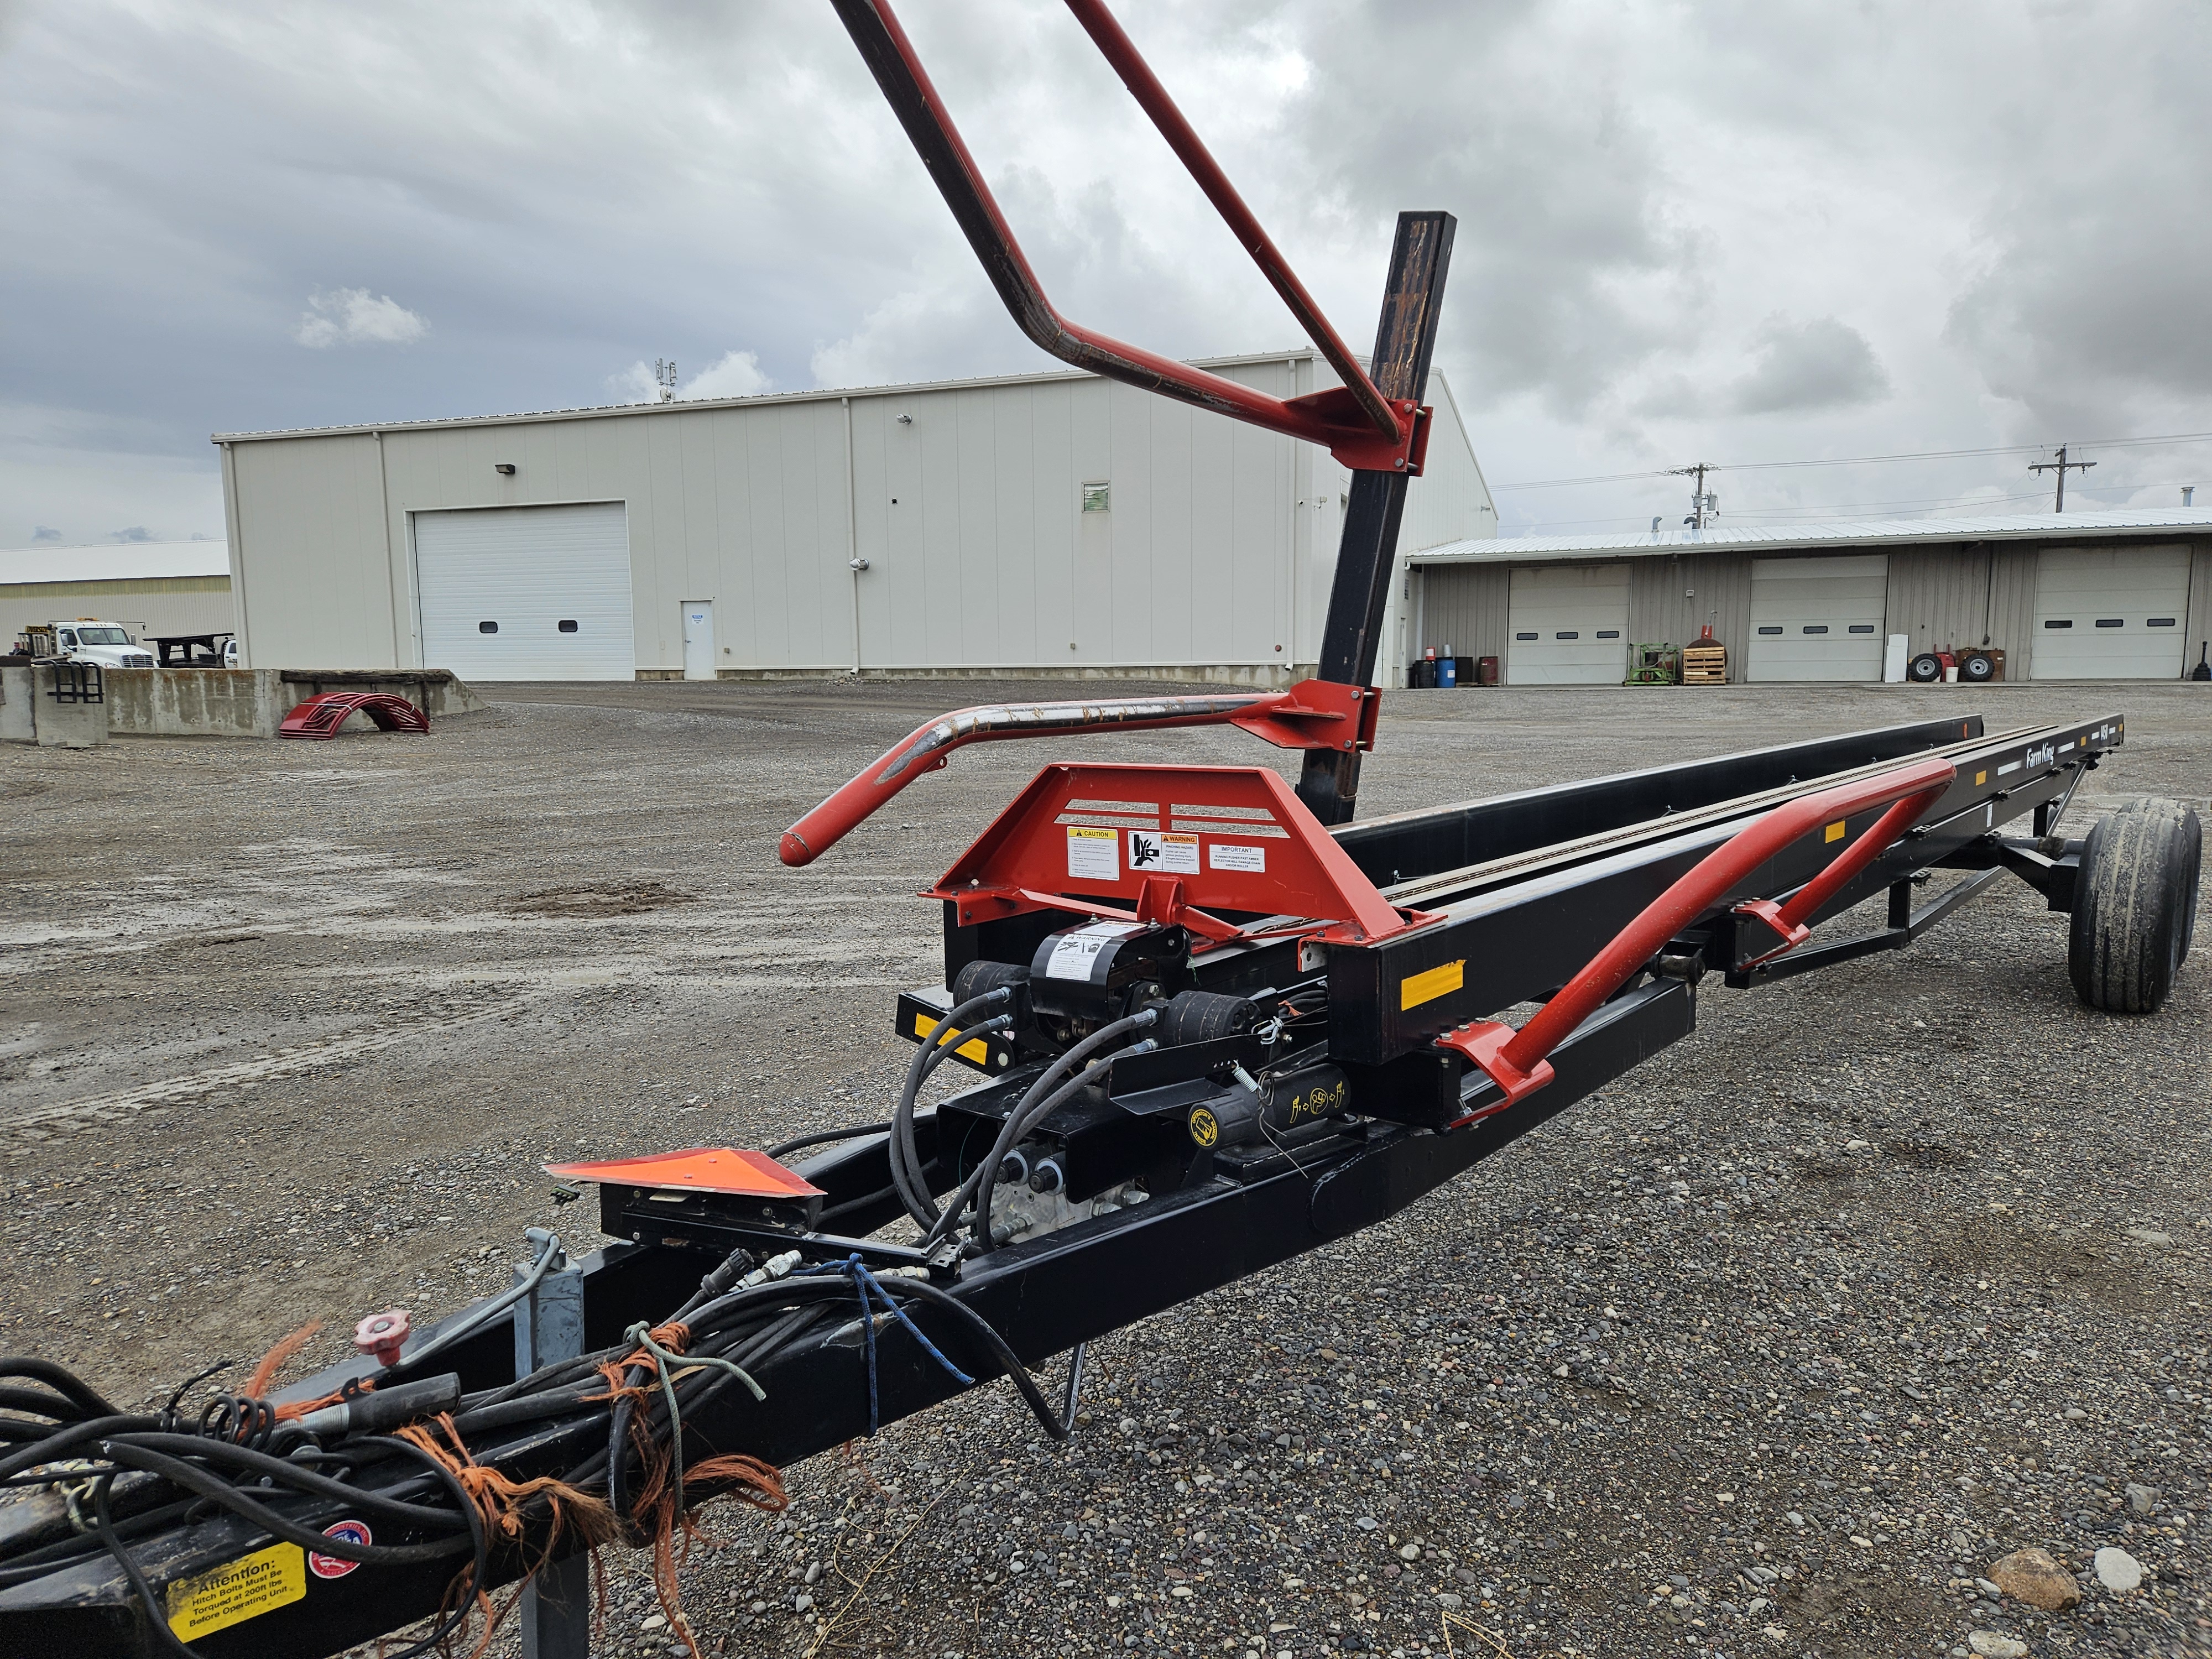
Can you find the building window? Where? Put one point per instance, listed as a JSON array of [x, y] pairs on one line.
[[2111, 622], [1861, 627], [566, 626], [1524, 636], [1816, 628], [1608, 633], [1770, 630], [1566, 634], [486, 627], [1097, 497], [2059, 622], [2159, 622]]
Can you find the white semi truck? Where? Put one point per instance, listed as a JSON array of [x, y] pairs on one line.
[[87, 640]]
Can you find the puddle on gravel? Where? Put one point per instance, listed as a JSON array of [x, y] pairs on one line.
[[627, 898]]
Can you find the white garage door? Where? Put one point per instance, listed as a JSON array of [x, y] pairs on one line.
[[527, 592], [1818, 619], [1570, 625], [2110, 614]]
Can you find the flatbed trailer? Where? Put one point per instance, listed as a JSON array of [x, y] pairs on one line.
[[1210, 1022]]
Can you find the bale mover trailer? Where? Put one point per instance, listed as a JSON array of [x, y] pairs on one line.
[[1208, 1022]]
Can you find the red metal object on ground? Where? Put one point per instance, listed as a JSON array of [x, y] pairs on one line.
[[383, 1334], [1170, 845], [1311, 714], [320, 716], [1359, 426], [701, 1168], [1515, 1060]]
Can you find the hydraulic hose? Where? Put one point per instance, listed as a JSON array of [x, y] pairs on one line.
[[905, 1154]]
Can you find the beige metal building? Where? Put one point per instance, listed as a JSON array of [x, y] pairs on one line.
[[1052, 522], [2090, 595], [151, 588]]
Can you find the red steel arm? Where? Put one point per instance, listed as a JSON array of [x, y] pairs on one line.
[[1362, 428], [1311, 714], [1515, 1060]]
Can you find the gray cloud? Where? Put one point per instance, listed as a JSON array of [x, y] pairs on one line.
[[1825, 363], [2009, 205], [45, 532]]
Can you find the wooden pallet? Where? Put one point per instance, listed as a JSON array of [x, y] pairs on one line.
[[1704, 664]]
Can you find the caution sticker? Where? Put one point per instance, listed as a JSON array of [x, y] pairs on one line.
[[1173, 856], [1253, 861], [975, 1049], [336, 1566], [237, 1591], [1093, 854]]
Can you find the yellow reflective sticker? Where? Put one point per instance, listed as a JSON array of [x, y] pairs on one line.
[[976, 1049], [1836, 830], [1440, 981], [1981, 777], [238, 1590]]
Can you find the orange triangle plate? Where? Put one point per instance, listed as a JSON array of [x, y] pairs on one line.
[[701, 1169]]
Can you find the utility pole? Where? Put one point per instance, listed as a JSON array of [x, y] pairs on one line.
[[2059, 466], [1700, 502]]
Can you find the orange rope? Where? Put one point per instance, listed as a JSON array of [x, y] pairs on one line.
[[273, 1361]]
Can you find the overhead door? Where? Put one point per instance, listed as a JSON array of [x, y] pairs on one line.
[[2110, 614], [1569, 623], [527, 592], [1817, 619]]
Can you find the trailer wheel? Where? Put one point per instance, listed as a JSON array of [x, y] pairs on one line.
[[2135, 906], [1925, 668], [1976, 666]]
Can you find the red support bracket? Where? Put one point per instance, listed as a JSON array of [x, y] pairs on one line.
[[1515, 1060]]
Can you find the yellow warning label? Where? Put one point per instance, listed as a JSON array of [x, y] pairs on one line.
[[1836, 830], [975, 1049], [238, 1590], [1205, 1127], [1981, 777], [1441, 981]]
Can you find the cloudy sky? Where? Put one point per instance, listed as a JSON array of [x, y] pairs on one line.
[[1740, 233]]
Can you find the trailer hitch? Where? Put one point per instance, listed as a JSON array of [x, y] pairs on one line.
[[1516, 1059]]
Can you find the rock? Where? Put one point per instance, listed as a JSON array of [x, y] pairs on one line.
[[1409, 1552], [1367, 1523], [2141, 1499], [654, 1621], [1451, 1599], [2149, 1236], [2074, 1413], [802, 1603], [2118, 1570], [1995, 1645], [2033, 1577]]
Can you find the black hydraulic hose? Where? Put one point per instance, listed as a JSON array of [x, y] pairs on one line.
[[238, 1499], [905, 1154], [48, 1449], [986, 1178], [62, 1381], [988, 1334], [1046, 1080], [786, 1148]]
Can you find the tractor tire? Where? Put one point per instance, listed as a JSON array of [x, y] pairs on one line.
[[1925, 668], [1976, 667], [2135, 906]]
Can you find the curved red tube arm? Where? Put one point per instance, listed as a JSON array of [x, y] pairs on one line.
[[1516, 1061], [1311, 714]]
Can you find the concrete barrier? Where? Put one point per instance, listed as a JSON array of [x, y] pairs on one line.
[[251, 702], [30, 712]]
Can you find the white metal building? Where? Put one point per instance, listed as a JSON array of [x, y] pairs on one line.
[[1054, 522], [151, 588], [2091, 595]]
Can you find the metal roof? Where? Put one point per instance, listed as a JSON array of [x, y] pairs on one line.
[[692, 405], [1852, 534], [113, 561]]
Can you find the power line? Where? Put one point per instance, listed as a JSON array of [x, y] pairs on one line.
[[1786, 512], [1864, 460]]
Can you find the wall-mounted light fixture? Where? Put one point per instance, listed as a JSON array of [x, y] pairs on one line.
[[505, 469], [906, 420]]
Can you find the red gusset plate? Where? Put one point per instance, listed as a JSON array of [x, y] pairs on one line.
[[700, 1170]]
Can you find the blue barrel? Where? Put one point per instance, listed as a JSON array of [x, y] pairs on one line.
[[1447, 671]]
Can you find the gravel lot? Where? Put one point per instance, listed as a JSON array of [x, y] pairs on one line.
[[1777, 1346]]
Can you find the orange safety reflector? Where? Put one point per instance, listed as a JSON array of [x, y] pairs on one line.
[[701, 1169]]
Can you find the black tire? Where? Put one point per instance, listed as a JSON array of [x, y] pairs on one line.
[[1976, 667], [1925, 668], [2135, 906]]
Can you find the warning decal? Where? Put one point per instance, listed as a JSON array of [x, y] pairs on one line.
[[975, 1049], [1227, 855], [237, 1591], [1415, 989], [1093, 854], [1174, 855], [1074, 954], [336, 1566]]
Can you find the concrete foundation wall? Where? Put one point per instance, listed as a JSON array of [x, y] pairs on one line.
[[252, 703]]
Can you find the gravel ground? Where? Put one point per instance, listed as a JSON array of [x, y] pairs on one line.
[[1775, 1347]]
